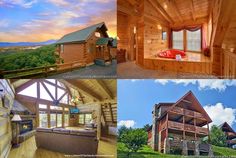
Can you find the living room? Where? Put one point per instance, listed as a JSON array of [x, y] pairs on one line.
[[54, 118]]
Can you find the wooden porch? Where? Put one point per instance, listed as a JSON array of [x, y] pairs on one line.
[[187, 128]]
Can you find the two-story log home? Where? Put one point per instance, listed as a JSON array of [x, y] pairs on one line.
[[180, 127], [230, 134]]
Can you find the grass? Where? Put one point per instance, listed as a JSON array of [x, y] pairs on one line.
[[147, 152], [222, 151]]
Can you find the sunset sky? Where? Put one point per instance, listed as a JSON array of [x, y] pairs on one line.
[[42, 20]]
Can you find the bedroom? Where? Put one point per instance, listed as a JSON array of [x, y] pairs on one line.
[[177, 38]]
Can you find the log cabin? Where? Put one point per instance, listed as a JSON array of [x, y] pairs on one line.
[[179, 127], [86, 45], [50, 118], [179, 36], [230, 134]]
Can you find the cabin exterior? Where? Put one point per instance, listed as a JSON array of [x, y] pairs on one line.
[[178, 127], [85, 45], [230, 134]]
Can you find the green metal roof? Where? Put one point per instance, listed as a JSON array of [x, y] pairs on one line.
[[103, 41], [81, 35]]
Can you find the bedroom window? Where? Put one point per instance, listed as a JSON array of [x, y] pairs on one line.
[[178, 40], [194, 40]]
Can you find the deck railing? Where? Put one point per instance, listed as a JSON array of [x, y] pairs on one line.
[[187, 112], [187, 127], [43, 71]]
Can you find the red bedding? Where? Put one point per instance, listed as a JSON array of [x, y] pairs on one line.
[[171, 53]]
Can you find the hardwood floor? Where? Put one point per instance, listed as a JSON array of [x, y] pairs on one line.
[[28, 149]]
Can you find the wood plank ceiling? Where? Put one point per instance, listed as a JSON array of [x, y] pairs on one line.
[[179, 11]]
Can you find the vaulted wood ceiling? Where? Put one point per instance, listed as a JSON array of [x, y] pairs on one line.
[[173, 11], [92, 89]]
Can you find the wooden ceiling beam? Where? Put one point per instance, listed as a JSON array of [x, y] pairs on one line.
[[25, 85], [174, 6], [100, 84], [82, 88], [23, 98], [193, 10], [161, 10]]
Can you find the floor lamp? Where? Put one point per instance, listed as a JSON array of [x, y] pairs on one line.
[[16, 119]]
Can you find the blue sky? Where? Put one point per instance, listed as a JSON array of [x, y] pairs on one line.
[[41, 20], [137, 97]]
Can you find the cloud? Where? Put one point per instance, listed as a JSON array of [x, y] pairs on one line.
[[4, 23], [202, 84], [220, 114], [22, 3], [127, 123], [54, 21], [58, 2]]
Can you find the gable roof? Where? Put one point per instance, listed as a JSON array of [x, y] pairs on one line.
[[227, 126], [196, 104], [82, 35]]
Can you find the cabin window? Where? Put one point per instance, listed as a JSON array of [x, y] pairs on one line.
[[62, 48], [42, 106], [53, 119], [91, 48], [194, 40], [66, 120], [97, 34], [164, 35], [81, 118], [59, 120], [43, 119], [178, 40], [85, 118], [88, 118]]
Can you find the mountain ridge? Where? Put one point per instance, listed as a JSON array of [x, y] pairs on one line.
[[15, 44]]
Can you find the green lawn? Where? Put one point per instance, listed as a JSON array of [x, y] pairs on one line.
[[147, 152], [221, 151]]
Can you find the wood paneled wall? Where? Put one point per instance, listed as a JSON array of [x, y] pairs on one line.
[[224, 39], [5, 123], [155, 23]]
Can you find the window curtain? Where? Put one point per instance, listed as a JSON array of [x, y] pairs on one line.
[[189, 28]]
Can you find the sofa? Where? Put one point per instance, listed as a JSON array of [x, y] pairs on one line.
[[70, 142]]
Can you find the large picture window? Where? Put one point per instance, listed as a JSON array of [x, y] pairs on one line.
[[43, 119], [178, 40], [53, 120], [194, 40], [66, 120], [59, 120]]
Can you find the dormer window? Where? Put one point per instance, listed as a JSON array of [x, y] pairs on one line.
[[97, 34]]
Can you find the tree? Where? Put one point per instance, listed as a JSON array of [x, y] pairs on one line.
[[146, 127], [121, 131], [217, 136], [134, 139]]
